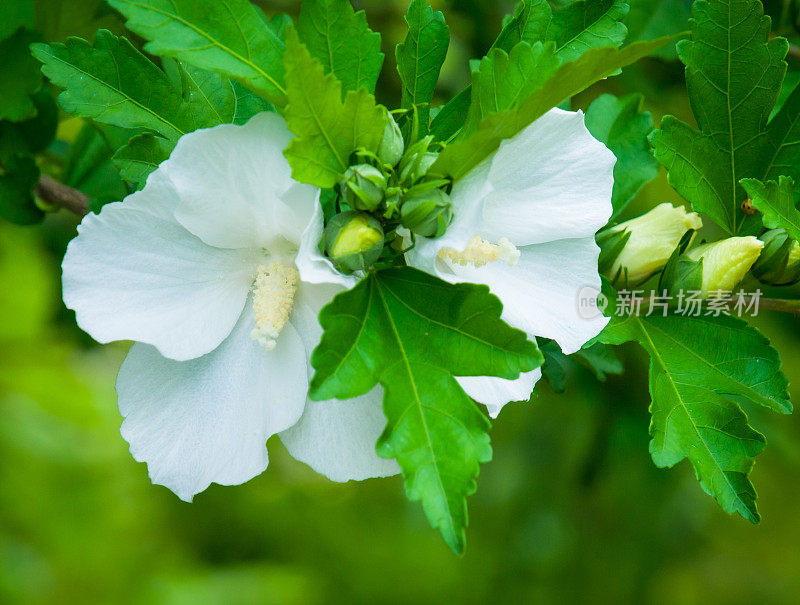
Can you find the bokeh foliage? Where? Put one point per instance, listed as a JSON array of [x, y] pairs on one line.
[[571, 509]]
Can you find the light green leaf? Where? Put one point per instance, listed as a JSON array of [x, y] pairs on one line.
[[340, 39], [115, 84], [141, 156], [414, 333], [775, 201], [20, 76], [458, 159], [699, 368], [328, 129], [225, 36], [421, 56], [733, 73], [624, 127]]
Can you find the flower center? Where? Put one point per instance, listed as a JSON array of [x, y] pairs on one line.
[[479, 252], [273, 295]]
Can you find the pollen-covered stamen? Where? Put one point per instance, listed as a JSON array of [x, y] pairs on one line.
[[479, 252], [273, 295]]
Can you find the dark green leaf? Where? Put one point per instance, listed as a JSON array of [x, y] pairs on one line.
[[649, 19], [16, 14], [776, 202], [18, 177], [624, 127], [733, 73], [503, 81], [784, 140], [225, 36], [215, 99], [700, 367], [89, 167], [414, 333], [459, 158], [420, 58], [20, 76], [587, 24], [328, 130], [141, 156], [114, 83], [450, 118], [340, 39]]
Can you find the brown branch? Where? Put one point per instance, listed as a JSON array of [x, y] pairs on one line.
[[794, 51], [54, 193]]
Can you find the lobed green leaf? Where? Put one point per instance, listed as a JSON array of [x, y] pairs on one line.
[[420, 58], [340, 39], [225, 36], [328, 130], [699, 368], [413, 334]]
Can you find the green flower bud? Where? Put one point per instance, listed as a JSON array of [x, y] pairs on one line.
[[637, 249], [363, 187], [392, 146], [427, 214], [353, 241], [726, 262], [779, 263], [418, 167]]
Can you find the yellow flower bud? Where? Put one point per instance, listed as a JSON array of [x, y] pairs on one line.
[[726, 262], [354, 241], [652, 239]]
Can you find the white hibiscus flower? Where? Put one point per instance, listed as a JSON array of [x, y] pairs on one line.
[[214, 270], [524, 225]]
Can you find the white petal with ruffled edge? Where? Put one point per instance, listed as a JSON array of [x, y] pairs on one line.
[[552, 181], [134, 273], [541, 293], [335, 438], [235, 185], [495, 393], [208, 420]]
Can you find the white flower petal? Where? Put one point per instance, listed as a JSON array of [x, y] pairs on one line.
[[208, 420], [315, 268], [540, 294], [235, 185], [134, 273], [337, 438], [551, 181], [495, 393]]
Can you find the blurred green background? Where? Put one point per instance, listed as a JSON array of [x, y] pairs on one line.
[[570, 510]]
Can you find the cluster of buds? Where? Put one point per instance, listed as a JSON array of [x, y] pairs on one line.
[[660, 242], [385, 192]]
